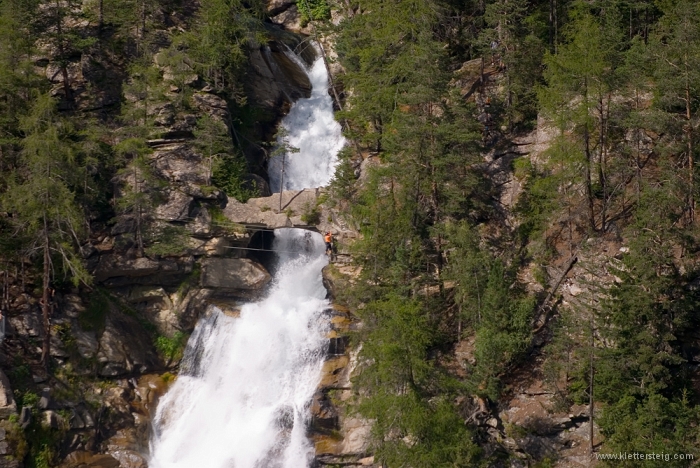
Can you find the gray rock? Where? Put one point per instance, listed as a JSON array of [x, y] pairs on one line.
[[81, 459], [211, 104], [250, 215], [76, 422], [158, 307], [177, 207], [7, 402], [142, 270], [25, 417], [114, 265], [194, 303], [45, 402], [51, 419], [275, 7], [180, 164], [125, 347], [233, 273], [290, 19], [275, 78], [202, 222], [27, 324], [129, 459], [86, 341], [73, 306]]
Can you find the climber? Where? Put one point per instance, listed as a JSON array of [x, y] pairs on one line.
[[328, 238]]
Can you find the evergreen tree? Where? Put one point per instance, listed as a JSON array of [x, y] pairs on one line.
[[580, 79], [675, 48], [42, 204]]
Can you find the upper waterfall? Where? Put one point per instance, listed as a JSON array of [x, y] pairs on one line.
[[311, 128]]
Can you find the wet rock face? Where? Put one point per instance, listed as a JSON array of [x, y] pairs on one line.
[[277, 80]]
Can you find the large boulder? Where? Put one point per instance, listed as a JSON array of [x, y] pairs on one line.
[[233, 273]]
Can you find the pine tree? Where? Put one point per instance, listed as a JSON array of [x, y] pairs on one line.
[[42, 203], [675, 48], [580, 79]]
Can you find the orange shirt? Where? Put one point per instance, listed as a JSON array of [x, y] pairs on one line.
[[328, 238]]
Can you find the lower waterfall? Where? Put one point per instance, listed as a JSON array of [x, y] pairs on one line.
[[241, 399]]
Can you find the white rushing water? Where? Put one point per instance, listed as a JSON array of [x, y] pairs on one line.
[[242, 397], [311, 127]]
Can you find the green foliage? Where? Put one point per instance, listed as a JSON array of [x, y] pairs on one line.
[[229, 175], [226, 166], [167, 239], [171, 348], [218, 44], [44, 444], [396, 376], [313, 10], [654, 425], [40, 192], [222, 223], [14, 435], [311, 215]]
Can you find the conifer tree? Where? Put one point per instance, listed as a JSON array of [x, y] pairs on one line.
[[40, 198], [580, 77], [675, 48]]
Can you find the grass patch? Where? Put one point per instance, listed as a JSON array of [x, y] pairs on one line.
[[171, 349]]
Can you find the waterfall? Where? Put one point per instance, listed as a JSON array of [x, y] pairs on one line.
[[242, 397], [311, 128]]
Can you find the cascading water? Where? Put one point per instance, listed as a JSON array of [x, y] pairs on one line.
[[242, 397], [311, 128]]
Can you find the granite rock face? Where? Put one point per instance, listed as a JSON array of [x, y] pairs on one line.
[[125, 347], [233, 274]]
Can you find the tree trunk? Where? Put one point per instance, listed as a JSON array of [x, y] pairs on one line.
[[602, 164], [638, 162], [590, 389], [282, 180], [100, 15], [139, 213], [45, 305], [589, 184], [62, 55], [551, 26], [689, 138]]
